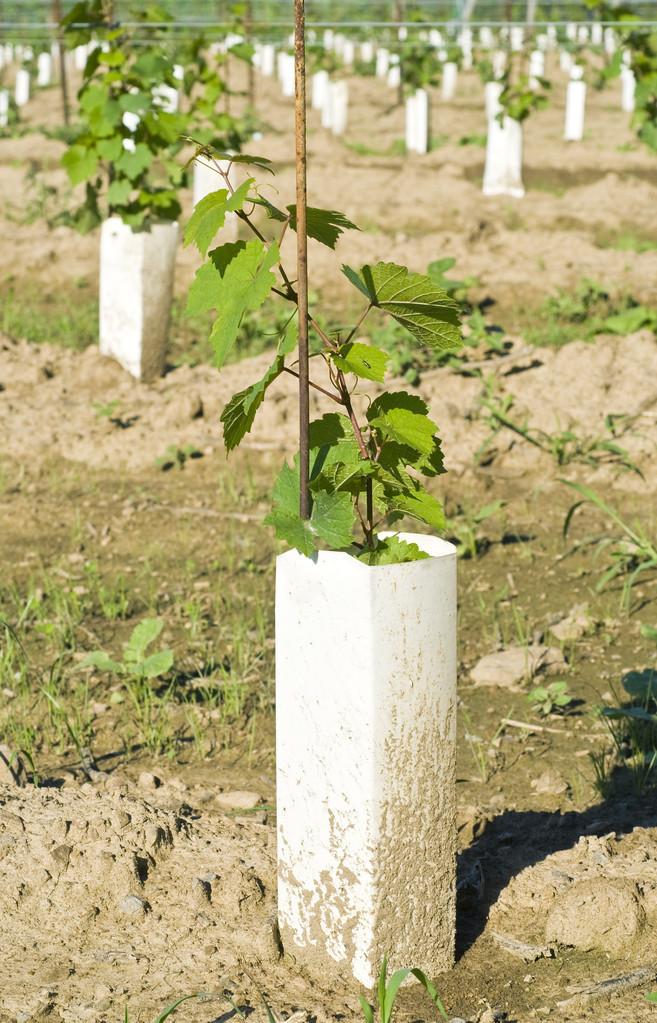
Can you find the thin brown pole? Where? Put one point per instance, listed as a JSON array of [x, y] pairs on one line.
[[61, 50], [302, 252], [400, 16], [248, 32]]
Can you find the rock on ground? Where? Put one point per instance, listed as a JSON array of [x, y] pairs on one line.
[[507, 669]]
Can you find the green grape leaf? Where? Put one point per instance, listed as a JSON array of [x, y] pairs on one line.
[[202, 149], [419, 504], [243, 51], [109, 149], [289, 337], [324, 226], [332, 518], [403, 417], [363, 360], [201, 296], [414, 300], [347, 476], [80, 163], [293, 530], [132, 164], [332, 441], [113, 58], [245, 284], [210, 213], [118, 192], [272, 211], [135, 102], [392, 551], [240, 412], [357, 281]]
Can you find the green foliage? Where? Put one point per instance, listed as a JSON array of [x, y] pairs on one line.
[[582, 313], [518, 99], [136, 663], [632, 553], [318, 58], [464, 528], [632, 319], [642, 44], [176, 457], [369, 469], [388, 989], [164, 1015], [139, 669], [129, 168], [550, 699], [406, 359], [565, 446], [47, 315], [632, 723], [419, 65], [414, 301], [391, 551]]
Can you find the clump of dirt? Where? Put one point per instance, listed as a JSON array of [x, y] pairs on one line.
[[106, 419], [599, 895], [111, 889], [127, 900]]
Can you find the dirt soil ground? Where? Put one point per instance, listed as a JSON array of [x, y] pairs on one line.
[[149, 876]]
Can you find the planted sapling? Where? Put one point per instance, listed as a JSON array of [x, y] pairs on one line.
[[369, 460], [127, 141]]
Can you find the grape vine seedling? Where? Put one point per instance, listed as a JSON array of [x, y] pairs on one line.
[[371, 457]]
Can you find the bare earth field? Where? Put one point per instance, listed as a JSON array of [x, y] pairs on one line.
[[143, 866]]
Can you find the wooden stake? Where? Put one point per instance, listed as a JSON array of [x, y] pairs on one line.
[[248, 32], [59, 35], [302, 252]]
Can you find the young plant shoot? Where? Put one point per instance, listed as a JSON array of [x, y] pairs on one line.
[[369, 458]]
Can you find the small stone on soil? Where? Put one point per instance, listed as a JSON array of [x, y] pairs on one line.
[[509, 668], [148, 781], [133, 905], [574, 625], [550, 783], [237, 800]]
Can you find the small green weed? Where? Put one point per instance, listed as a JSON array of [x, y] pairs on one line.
[[631, 553], [565, 446], [176, 457], [473, 140], [164, 1015], [551, 699], [31, 312], [625, 241], [388, 989], [464, 528], [582, 314], [138, 669]]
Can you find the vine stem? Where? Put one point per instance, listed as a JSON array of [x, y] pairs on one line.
[[318, 387], [367, 524], [359, 323], [346, 401], [302, 253]]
